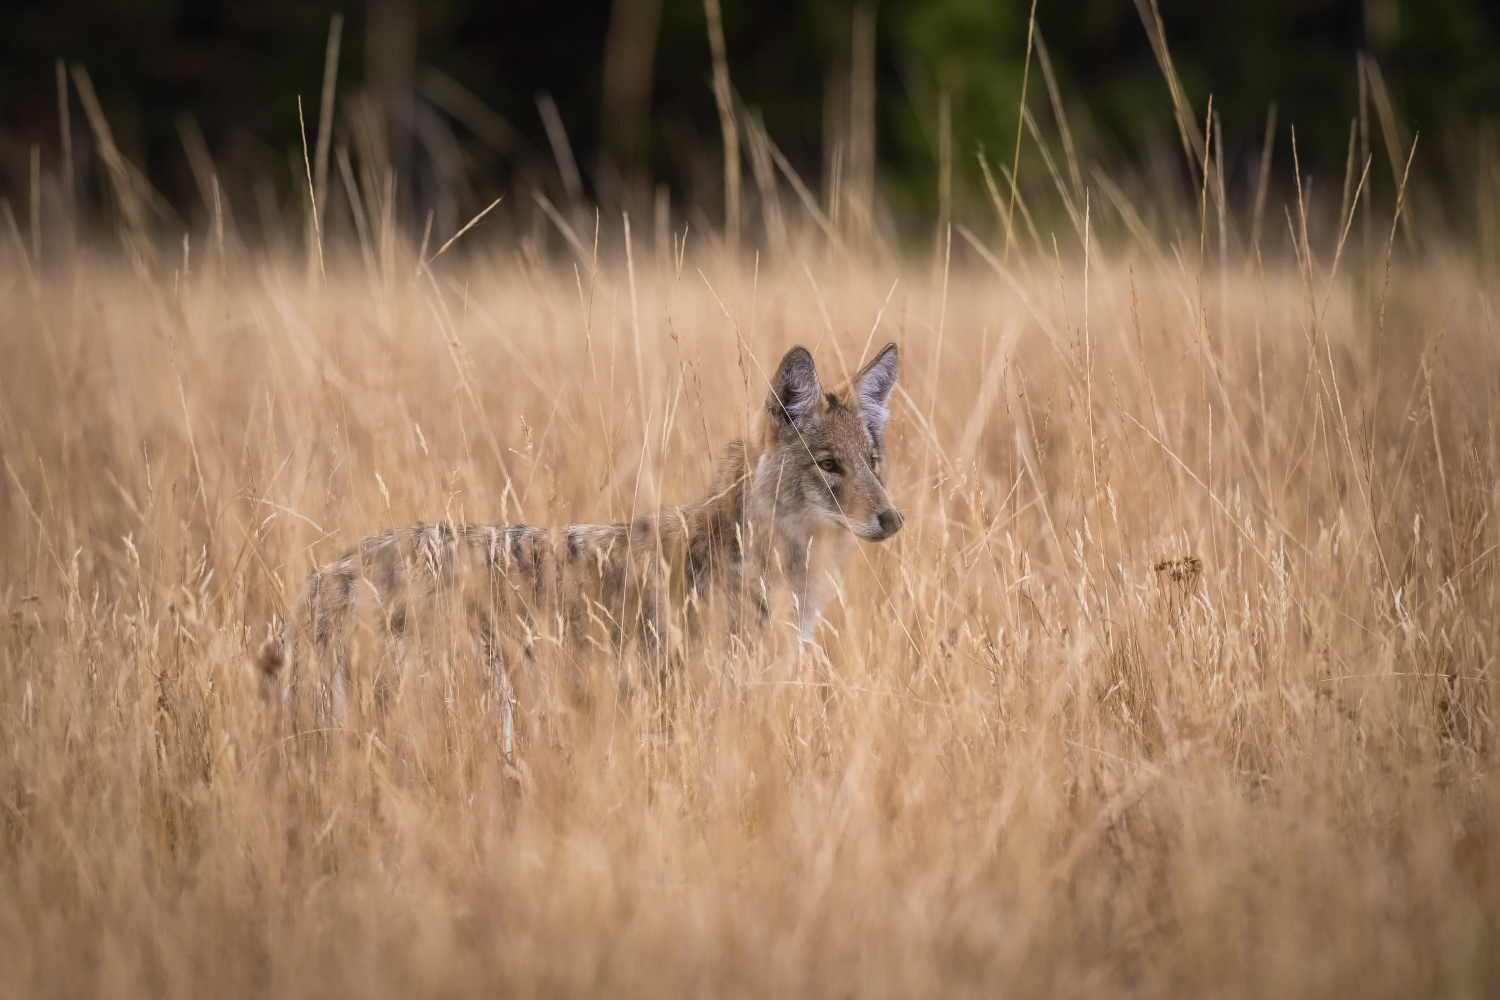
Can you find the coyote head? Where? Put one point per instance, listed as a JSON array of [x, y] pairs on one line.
[[825, 449]]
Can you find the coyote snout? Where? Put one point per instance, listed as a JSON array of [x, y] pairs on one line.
[[779, 519], [880, 527], [890, 521]]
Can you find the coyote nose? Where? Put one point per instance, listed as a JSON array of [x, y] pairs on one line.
[[890, 521]]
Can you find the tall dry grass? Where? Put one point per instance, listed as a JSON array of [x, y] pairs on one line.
[[1179, 679]]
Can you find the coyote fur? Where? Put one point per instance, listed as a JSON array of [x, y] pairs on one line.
[[781, 516]]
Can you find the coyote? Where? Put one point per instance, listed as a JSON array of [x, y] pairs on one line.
[[780, 518]]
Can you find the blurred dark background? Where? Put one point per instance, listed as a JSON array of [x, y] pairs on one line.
[[447, 97]]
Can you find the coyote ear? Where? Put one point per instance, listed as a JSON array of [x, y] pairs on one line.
[[873, 385], [794, 388]]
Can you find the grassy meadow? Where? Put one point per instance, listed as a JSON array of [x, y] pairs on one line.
[[1178, 681]]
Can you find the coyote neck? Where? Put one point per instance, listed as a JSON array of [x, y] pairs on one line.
[[748, 538]]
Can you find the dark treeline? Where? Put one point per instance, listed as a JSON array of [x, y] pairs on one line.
[[455, 96]]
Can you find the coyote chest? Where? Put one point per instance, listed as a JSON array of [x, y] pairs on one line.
[[780, 517]]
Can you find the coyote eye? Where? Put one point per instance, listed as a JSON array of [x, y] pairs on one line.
[[828, 465]]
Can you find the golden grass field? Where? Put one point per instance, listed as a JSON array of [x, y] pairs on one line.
[[1179, 680]]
